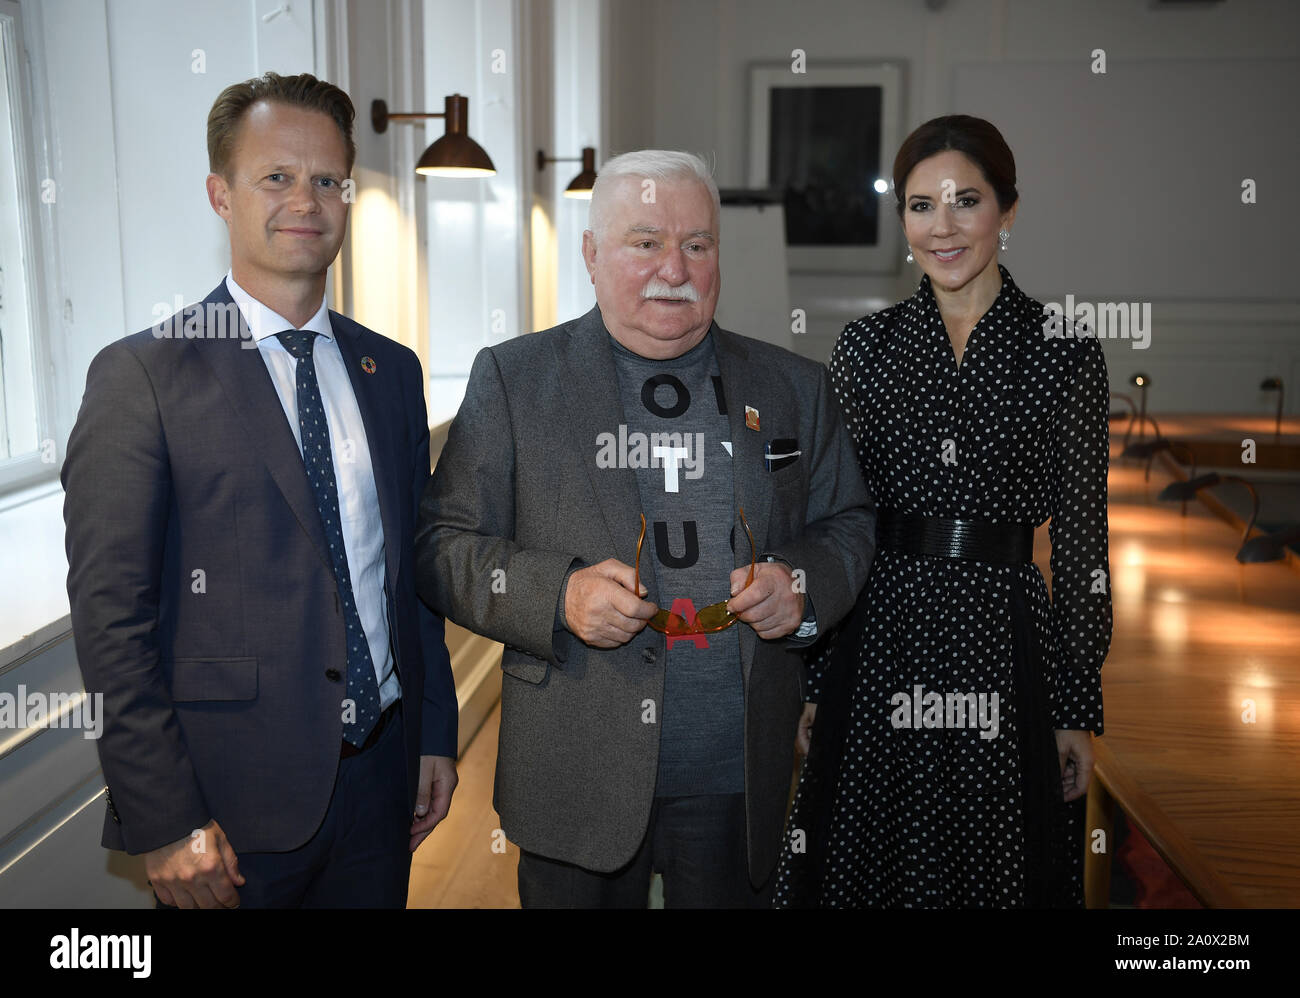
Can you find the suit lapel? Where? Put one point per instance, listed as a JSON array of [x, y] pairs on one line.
[[371, 391], [750, 480], [238, 366], [595, 409]]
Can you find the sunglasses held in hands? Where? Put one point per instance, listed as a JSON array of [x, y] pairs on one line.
[[715, 616]]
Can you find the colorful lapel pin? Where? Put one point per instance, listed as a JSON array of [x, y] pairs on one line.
[[751, 417], [368, 364]]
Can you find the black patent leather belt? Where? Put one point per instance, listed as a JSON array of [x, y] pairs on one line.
[[974, 540]]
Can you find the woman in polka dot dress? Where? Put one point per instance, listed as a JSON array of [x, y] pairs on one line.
[[951, 753]]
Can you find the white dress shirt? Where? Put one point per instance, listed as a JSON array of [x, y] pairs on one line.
[[363, 529]]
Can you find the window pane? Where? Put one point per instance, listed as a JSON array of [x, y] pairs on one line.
[[18, 427]]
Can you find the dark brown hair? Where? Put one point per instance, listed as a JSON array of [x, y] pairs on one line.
[[303, 91], [974, 137]]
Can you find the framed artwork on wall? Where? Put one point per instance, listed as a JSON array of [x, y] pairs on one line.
[[826, 139]]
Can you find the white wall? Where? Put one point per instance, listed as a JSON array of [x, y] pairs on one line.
[[679, 78], [379, 277], [477, 228], [579, 108], [567, 95]]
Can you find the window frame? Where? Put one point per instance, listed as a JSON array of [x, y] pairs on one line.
[[32, 160]]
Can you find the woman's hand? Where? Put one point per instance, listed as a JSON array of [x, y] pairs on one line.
[[1074, 749], [803, 739]]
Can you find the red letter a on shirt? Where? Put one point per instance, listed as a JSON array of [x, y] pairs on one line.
[[685, 609]]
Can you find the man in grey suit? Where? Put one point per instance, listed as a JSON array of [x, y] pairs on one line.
[[640, 450]]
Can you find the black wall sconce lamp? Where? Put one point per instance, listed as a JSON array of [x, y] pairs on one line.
[[453, 155], [580, 186]]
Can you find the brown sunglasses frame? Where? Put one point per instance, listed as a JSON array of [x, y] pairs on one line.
[[664, 626]]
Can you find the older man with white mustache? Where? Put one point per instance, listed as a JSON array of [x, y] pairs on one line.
[[654, 623]]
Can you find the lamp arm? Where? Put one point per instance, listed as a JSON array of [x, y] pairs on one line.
[[1191, 455], [1254, 496], [1132, 414]]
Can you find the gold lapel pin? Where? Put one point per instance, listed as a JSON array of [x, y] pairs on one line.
[[751, 417]]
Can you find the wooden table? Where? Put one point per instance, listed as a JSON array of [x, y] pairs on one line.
[[1218, 440], [1199, 642]]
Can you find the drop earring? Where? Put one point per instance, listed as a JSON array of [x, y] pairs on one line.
[[909, 254], [1003, 236]]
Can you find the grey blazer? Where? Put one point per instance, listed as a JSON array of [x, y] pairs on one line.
[[517, 489]]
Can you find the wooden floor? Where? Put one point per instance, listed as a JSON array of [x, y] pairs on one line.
[[1202, 697], [466, 862]]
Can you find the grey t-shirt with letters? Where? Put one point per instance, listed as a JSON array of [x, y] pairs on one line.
[[677, 440]]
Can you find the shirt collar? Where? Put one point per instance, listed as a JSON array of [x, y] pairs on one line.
[[263, 321]]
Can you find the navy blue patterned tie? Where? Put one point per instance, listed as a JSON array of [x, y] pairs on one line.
[[363, 688]]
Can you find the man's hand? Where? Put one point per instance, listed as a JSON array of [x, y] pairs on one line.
[[1074, 748], [438, 781], [769, 604], [600, 606], [803, 738], [198, 871]]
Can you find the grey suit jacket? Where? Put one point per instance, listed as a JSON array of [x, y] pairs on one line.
[[517, 489]]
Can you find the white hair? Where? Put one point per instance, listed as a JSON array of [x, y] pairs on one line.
[[655, 164]]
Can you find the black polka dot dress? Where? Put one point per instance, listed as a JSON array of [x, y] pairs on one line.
[[902, 802]]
